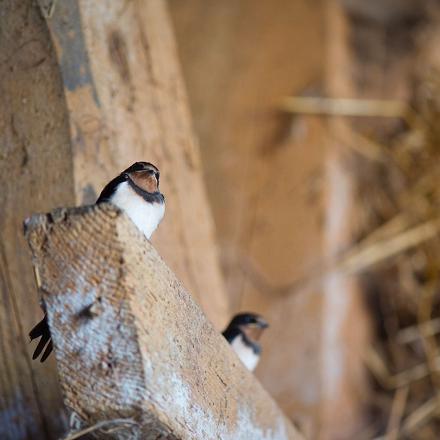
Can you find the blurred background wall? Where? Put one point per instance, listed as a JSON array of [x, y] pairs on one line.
[[266, 175], [298, 199]]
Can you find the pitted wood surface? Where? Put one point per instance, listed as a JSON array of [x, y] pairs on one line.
[[35, 175], [88, 88], [131, 342], [126, 102]]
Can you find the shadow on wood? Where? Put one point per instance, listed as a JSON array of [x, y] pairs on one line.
[[131, 343]]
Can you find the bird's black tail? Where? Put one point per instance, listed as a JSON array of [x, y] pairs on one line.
[[42, 330]]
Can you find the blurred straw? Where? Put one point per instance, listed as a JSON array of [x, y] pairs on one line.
[[414, 332], [385, 108], [368, 148], [106, 426], [403, 195], [414, 421], [392, 227], [429, 342], [380, 371], [420, 416], [397, 411], [363, 257]]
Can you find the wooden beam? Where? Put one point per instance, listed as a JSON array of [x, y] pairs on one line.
[[131, 343], [126, 102], [35, 175], [87, 89]]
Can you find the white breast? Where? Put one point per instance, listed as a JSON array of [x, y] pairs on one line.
[[245, 353], [146, 216]]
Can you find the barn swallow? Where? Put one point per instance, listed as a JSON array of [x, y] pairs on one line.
[[243, 333], [136, 192]]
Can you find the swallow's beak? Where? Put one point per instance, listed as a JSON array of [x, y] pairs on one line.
[[261, 323]]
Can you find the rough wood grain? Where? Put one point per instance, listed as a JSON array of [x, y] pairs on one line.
[[126, 102], [35, 175], [130, 341], [87, 88]]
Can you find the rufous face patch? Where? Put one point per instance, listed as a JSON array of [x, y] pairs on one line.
[[253, 332], [144, 180]]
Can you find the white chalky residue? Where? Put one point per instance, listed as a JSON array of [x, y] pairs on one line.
[[248, 429], [90, 333], [112, 332], [180, 403], [173, 395], [101, 341]]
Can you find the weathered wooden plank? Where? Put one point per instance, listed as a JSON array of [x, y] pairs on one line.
[[126, 102], [87, 88], [130, 341], [35, 175]]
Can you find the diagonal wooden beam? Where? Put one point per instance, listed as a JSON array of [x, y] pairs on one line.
[[130, 341], [87, 88]]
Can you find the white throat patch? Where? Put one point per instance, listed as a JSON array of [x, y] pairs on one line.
[[245, 353], [146, 216]]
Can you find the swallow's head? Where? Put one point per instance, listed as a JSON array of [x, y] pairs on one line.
[[136, 192], [243, 334], [250, 324], [143, 175]]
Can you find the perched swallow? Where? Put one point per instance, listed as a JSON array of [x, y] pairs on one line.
[[243, 333], [136, 192]]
